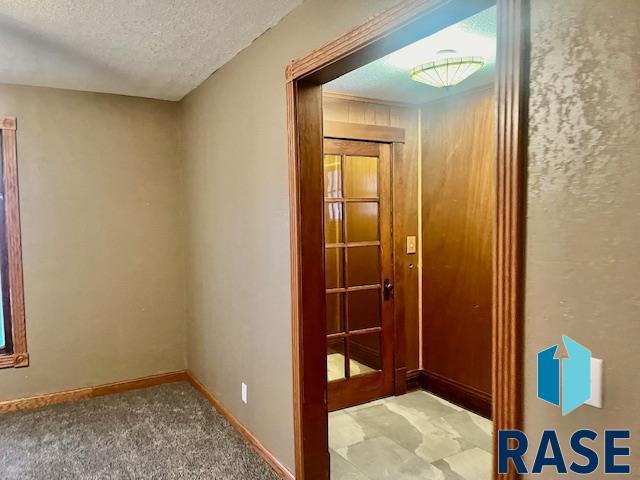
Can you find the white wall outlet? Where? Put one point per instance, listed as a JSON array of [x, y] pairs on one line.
[[596, 383], [244, 392]]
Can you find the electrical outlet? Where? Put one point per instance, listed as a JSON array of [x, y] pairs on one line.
[[244, 392]]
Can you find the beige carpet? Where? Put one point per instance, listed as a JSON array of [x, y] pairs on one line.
[[164, 432]]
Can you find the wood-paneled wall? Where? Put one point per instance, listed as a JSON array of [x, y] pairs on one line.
[[458, 150], [405, 205]]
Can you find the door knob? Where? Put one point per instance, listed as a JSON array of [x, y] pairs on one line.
[[387, 289]]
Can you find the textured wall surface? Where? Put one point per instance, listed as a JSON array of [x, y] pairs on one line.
[[583, 219], [102, 254], [583, 255], [100, 201], [238, 217]]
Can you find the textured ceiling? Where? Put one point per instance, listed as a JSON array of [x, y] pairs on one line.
[[149, 48], [388, 78]]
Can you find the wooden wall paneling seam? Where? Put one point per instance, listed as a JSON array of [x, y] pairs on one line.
[[362, 131], [377, 101]]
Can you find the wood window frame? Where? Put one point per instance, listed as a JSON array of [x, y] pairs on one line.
[[11, 252], [405, 23]]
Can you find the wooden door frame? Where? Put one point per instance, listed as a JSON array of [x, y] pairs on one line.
[[395, 137], [402, 24], [353, 390]]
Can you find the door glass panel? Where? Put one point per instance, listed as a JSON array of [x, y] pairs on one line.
[[362, 221], [363, 266], [334, 267], [333, 222], [336, 360], [335, 313], [332, 176], [364, 309], [365, 353], [360, 177]]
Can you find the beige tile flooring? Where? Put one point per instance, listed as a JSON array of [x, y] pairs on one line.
[[335, 367], [413, 436]]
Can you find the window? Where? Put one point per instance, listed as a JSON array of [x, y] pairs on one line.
[[13, 342]]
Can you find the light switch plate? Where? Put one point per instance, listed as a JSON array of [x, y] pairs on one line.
[[596, 383], [411, 245]]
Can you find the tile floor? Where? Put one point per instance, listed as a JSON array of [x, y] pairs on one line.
[[335, 367], [414, 436]]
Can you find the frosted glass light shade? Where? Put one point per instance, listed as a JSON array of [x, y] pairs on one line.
[[447, 72]]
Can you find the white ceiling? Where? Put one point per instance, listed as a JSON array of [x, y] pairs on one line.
[[148, 48], [388, 77]]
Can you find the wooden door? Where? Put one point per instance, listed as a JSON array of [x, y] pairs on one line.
[[358, 271]]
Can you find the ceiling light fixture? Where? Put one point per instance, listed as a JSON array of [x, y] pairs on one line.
[[448, 71]]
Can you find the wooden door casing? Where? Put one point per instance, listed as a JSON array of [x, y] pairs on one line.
[[400, 25]]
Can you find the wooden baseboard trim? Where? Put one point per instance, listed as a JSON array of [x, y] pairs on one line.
[[275, 464], [414, 381], [91, 392], [458, 393], [145, 382]]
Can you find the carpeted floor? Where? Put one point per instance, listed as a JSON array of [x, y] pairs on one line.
[[164, 432]]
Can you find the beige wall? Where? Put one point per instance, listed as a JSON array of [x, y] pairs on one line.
[[583, 255], [102, 250], [582, 258], [100, 198], [238, 214]]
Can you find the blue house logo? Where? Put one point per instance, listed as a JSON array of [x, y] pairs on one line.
[[565, 382]]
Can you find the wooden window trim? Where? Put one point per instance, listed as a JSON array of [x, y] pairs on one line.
[[18, 356], [408, 21]]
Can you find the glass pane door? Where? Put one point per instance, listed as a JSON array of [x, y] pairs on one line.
[[356, 228]]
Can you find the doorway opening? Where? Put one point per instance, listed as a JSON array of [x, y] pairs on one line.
[[408, 182], [407, 198]]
